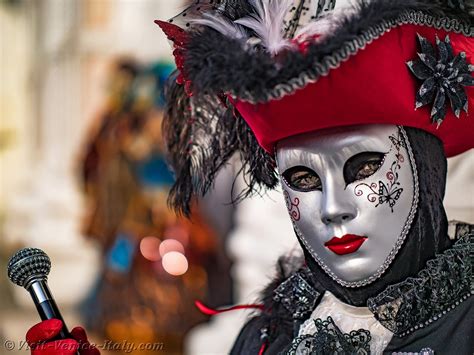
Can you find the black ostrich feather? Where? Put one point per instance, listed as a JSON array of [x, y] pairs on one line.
[[202, 133]]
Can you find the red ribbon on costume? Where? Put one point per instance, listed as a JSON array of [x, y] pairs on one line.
[[211, 312]]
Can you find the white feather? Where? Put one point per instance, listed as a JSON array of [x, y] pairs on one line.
[[220, 24], [268, 23], [321, 28], [324, 25]]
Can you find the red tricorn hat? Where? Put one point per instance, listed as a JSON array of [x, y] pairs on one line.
[[288, 70], [377, 85]]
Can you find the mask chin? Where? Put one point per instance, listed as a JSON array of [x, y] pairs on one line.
[[354, 224]]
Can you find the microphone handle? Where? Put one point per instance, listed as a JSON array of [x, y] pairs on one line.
[[46, 305]]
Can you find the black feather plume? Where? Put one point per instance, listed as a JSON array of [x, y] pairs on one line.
[[202, 133]]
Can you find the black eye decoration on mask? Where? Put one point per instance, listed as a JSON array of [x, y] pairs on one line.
[[302, 178], [362, 165]]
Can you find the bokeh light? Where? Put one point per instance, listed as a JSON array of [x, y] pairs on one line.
[[150, 248], [175, 263], [170, 245]]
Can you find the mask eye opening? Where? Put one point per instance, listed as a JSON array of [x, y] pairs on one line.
[[362, 165], [301, 178]]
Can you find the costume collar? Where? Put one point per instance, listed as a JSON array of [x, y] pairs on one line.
[[297, 295], [445, 282], [437, 289]]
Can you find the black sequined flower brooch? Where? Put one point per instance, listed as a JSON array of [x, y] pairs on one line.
[[445, 76]]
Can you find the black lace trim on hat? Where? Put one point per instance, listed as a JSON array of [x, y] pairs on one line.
[[299, 14], [417, 302], [329, 339]]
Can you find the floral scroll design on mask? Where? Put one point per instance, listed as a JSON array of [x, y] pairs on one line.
[[292, 206], [386, 192]]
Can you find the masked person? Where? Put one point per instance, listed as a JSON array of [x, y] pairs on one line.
[[354, 111]]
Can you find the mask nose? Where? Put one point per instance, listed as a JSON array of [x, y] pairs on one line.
[[336, 209], [337, 218]]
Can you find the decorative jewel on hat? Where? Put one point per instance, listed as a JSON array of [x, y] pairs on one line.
[[444, 75]]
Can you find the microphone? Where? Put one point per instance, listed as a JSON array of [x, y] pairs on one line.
[[29, 268]]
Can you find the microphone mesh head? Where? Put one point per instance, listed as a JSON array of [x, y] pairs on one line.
[[28, 263]]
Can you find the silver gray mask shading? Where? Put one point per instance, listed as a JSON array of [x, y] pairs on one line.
[[352, 181]]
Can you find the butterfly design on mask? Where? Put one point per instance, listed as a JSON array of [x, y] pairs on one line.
[[386, 193], [387, 196]]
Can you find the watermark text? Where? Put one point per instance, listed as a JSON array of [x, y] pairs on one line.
[[124, 346]]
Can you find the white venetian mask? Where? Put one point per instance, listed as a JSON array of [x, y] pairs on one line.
[[352, 194]]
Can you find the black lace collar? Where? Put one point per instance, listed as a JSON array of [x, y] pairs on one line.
[[297, 294], [329, 339], [416, 302]]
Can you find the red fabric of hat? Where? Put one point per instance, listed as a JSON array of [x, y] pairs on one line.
[[373, 86]]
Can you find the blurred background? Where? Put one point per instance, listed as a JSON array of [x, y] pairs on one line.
[[83, 177]]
